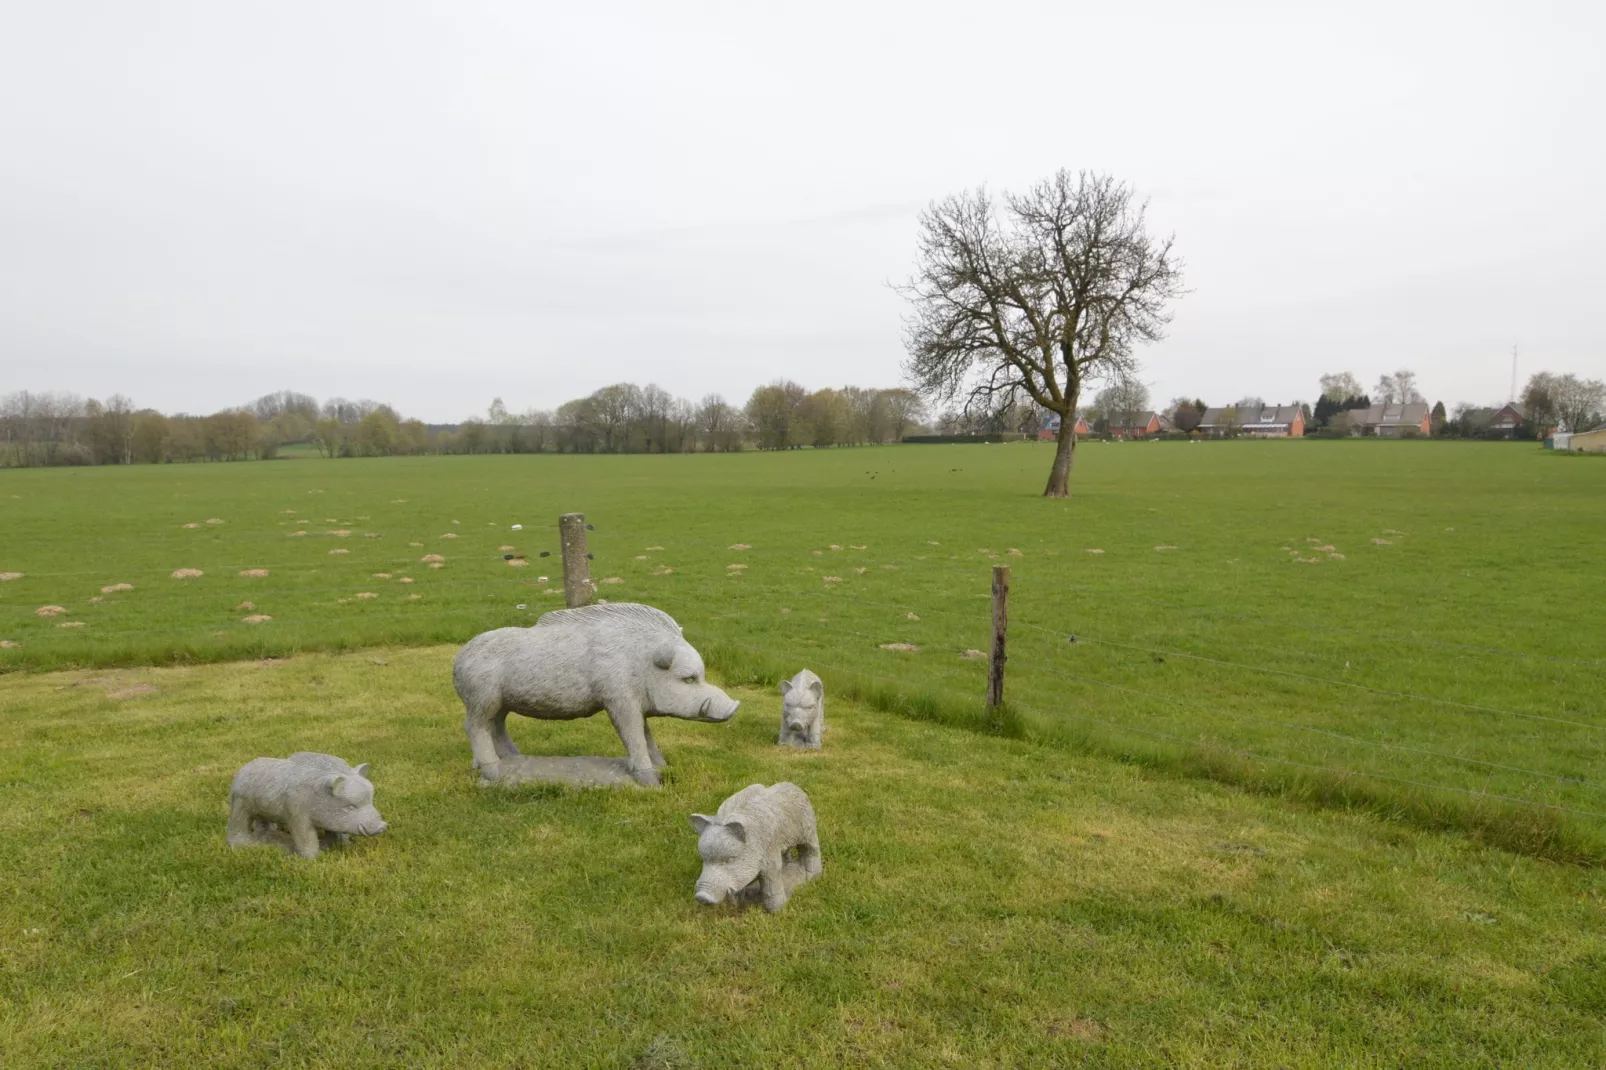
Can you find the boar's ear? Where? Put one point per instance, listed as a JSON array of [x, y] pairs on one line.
[[699, 822], [786, 688], [737, 829], [335, 782], [665, 656], [362, 770], [818, 688]]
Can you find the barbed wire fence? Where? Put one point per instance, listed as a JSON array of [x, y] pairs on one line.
[[1051, 674]]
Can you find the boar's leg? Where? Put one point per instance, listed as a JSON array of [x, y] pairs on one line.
[[503, 742], [477, 723], [632, 728], [303, 837], [808, 853], [772, 881], [241, 830], [652, 747]]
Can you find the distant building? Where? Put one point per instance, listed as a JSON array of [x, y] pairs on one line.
[[1393, 421], [1587, 441], [1269, 421], [1134, 424], [1050, 429], [1507, 419]]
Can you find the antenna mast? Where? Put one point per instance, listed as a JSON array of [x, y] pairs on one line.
[[1512, 397]]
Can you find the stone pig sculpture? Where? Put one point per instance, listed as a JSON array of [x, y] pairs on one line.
[[802, 711], [747, 841], [307, 796], [628, 659]]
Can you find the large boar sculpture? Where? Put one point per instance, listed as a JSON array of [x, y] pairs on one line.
[[628, 659]]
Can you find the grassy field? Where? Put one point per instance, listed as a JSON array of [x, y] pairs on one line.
[[1410, 626], [985, 902]]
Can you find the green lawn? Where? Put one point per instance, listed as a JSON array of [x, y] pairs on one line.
[[1449, 637], [986, 902]]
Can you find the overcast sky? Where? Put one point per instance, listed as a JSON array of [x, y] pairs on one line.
[[436, 204]]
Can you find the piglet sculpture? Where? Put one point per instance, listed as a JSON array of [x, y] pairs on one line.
[[315, 798], [748, 842], [802, 711]]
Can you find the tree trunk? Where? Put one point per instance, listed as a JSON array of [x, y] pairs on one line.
[[1059, 477]]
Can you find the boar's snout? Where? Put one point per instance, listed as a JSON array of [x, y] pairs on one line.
[[720, 708], [375, 827], [707, 898]]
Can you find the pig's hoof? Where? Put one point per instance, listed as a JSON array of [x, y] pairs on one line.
[[647, 778], [490, 774]]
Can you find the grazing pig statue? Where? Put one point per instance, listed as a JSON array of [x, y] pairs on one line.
[[802, 711], [310, 797], [748, 840], [628, 659]]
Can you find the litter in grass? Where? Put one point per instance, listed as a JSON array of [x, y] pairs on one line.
[[187, 573]]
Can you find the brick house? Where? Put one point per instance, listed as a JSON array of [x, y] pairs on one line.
[[1506, 420], [1050, 430], [1134, 424], [1393, 421], [1268, 421]]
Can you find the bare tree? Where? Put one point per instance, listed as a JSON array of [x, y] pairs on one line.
[[773, 411], [1577, 404], [1340, 386], [1058, 287], [1119, 400], [1399, 388], [718, 424], [905, 408]]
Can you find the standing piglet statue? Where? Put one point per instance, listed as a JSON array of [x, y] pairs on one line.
[[747, 843], [312, 797], [802, 711]]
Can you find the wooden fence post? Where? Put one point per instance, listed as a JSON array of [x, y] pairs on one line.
[[995, 669], [577, 586]]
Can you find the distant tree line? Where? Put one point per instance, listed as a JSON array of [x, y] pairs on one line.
[[38, 429]]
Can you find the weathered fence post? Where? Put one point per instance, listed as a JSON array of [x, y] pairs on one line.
[[995, 668], [577, 585]]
